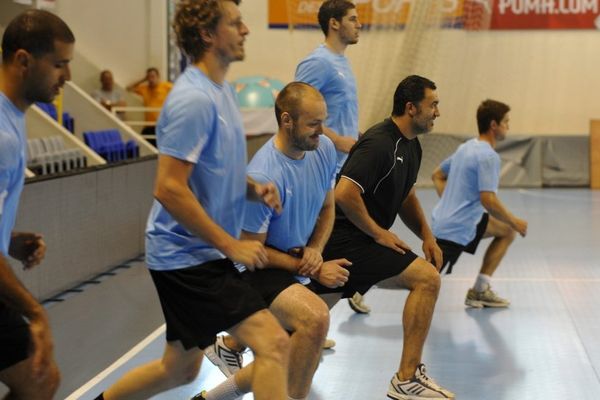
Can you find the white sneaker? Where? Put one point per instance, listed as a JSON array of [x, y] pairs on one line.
[[418, 388], [227, 360], [356, 302], [487, 298]]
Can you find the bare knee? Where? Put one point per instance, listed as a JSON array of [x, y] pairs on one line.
[[315, 326], [37, 389], [511, 235], [53, 381], [49, 385], [426, 279], [430, 280], [421, 275], [274, 347], [182, 374]]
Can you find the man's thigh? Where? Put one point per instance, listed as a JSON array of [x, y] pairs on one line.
[[371, 262]]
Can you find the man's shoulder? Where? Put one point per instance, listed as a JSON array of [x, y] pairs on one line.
[[141, 89], [483, 149], [318, 56], [264, 160], [381, 133], [195, 95], [326, 145]]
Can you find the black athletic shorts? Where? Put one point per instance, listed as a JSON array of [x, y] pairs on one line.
[[269, 282], [15, 337], [453, 250], [199, 302], [371, 262]]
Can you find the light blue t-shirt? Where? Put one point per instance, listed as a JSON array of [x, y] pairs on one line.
[[199, 123], [302, 184], [331, 74], [473, 168], [12, 167]]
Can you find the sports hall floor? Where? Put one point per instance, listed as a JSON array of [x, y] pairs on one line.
[[545, 346]]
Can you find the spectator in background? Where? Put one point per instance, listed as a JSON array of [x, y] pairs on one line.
[[154, 93], [108, 95]]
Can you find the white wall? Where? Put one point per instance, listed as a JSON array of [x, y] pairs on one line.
[[125, 36], [550, 78]]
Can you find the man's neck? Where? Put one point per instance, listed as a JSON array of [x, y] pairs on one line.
[[489, 138], [9, 85], [214, 68], [284, 146], [404, 124], [333, 43]]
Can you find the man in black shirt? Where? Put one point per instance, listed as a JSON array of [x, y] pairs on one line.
[[375, 185]]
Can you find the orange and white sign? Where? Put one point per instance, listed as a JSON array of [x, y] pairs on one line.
[[546, 14], [467, 14]]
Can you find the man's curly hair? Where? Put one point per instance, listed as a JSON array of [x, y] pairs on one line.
[[191, 17]]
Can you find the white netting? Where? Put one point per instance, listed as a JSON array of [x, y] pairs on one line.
[[401, 38]]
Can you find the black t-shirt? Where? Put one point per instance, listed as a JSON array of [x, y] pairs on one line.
[[385, 165]]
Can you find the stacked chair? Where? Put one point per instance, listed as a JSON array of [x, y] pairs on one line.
[[109, 145], [49, 156], [50, 109]]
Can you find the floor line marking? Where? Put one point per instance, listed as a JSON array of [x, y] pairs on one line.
[[125, 358], [570, 280]]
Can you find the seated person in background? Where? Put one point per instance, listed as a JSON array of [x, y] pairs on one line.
[[108, 95], [154, 93]]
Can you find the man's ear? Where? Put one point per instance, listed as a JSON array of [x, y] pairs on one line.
[[334, 24], [410, 109], [286, 118], [22, 58], [206, 35]]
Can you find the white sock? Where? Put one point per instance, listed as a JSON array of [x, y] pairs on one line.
[[227, 390], [482, 283], [292, 398]]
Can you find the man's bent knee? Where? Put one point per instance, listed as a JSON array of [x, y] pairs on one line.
[[275, 347], [316, 325], [182, 374], [28, 387], [422, 275], [53, 380]]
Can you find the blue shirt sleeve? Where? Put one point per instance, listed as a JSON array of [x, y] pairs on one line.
[[9, 157], [186, 126], [445, 165], [332, 154], [488, 172], [258, 216], [3, 190], [313, 71]]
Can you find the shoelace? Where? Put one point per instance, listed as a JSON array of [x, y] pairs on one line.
[[423, 376]]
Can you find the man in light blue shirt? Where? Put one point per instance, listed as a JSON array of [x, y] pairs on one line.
[[37, 47], [301, 162], [328, 69], [193, 231], [467, 182]]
